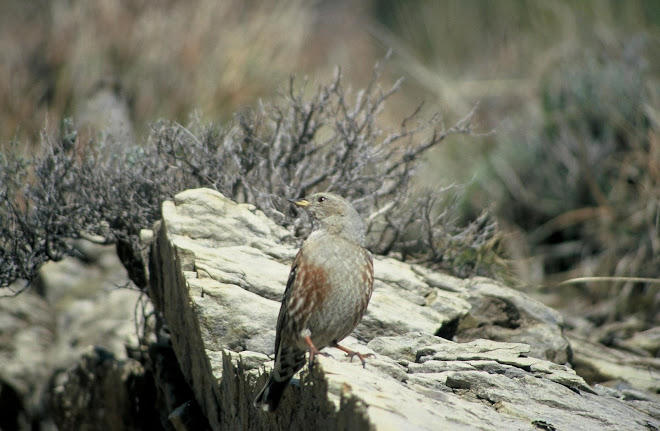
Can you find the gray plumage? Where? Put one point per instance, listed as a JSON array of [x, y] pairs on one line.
[[327, 292]]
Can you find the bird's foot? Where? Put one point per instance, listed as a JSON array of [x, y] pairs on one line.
[[351, 353], [313, 351]]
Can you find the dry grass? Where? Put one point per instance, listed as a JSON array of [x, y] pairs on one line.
[[161, 59], [572, 89], [572, 171]]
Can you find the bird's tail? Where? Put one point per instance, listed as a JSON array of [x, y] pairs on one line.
[[270, 396]]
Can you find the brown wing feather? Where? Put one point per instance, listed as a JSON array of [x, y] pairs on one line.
[[285, 299]]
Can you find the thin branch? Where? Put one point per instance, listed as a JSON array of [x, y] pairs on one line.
[[609, 280]]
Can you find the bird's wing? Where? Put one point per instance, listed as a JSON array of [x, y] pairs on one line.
[[285, 300]]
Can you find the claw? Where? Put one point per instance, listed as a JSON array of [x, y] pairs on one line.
[[351, 353]]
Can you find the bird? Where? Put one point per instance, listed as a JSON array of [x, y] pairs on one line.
[[326, 295]]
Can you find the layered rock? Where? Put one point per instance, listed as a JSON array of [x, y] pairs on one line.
[[218, 269], [47, 331]]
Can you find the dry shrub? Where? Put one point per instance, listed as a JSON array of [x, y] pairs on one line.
[[330, 140]]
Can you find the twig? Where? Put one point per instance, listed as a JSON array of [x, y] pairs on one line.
[[609, 280]]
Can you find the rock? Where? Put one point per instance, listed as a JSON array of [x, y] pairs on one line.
[[174, 401], [186, 417], [217, 271], [403, 350], [648, 341], [26, 336], [498, 358], [393, 311], [598, 363], [100, 392], [72, 306], [504, 314]]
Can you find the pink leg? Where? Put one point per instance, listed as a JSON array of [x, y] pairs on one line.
[[313, 351]]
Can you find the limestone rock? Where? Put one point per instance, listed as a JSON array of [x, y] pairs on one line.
[[26, 335], [504, 314], [598, 363], [648, 341], [72, 306], [100, 392], [217, 272]]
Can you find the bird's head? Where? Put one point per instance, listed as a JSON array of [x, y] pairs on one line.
[[334, 214]]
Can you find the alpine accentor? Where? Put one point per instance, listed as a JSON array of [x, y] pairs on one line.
[[327, 293]]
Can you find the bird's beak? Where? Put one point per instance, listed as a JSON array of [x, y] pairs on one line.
[[299, 202]]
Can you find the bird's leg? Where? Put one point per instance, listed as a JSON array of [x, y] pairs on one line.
[[351, 353], [313, 351]]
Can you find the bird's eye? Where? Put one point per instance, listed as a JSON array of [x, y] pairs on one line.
[[320, 199]]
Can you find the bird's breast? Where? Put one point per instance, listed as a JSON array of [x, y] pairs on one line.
[[334, 287]]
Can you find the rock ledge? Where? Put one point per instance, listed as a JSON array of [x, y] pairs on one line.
[[217, 271]]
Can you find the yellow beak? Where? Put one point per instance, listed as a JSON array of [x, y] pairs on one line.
[[299, 202]]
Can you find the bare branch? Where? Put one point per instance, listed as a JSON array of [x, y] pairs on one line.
[[331, 140]]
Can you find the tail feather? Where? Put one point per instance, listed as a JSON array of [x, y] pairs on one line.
[[287, 363], [270, 396]]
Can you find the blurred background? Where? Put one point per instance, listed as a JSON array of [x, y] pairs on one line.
[[566, 157], [566, 93]]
